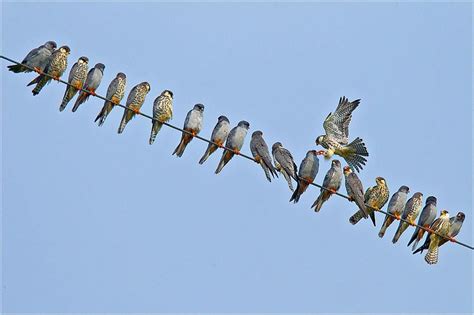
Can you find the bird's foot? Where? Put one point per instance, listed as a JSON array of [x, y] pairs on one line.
[[332, 191], [56, 78], [321, 152], [350, 199], [397, 216], [236, 152], [193, 133], [37, 70], [77, 86], [257, 159], [412, 223], [452, 239], [429, 230], [308, 181], [136, 110], [92, 92], [220, 145]]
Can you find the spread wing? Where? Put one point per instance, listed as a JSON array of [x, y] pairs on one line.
[[336, 124]]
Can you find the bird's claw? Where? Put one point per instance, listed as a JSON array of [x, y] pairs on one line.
[[321, 152], [56, 78], [452, 239], [237, 152], [136, 110], [398, 217], [332, 191], [350, 199], [37, 70]]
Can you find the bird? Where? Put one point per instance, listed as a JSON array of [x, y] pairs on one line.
[[55, 68], [115, 93], [427, 216], [218, 136], [455, 224], [284, 163], [336, 139], [94, 77], [77, 76], [410, 213], [135, 100], [395, 207], [355, 190], [234, 141], [162, 112], [192, 124], [332, 183], [307, 172], [37, 58], [260, 152], [375, 198], [440, 226]]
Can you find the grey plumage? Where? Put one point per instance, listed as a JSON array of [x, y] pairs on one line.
[[285, 163], [37, 58], [94, 77], [427, 217], [331, 181], [395, 207], [260, 152], [355, 189], [219, 136], [192, 124], [307, 172], [234, 141]]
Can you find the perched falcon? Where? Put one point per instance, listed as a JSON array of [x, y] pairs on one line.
[[440, 226], [355, 190], [219, 135], [395, 207], [193, 124], [77, 76], [115, 93], [284, 163], [410, 213], [135, 100], [235, 141], [94, 77], [162, 112], [260, 152], [336, 139], [55, 68], [427, 216], [38, 58], [308, 170], [332, 183], [375, 198]]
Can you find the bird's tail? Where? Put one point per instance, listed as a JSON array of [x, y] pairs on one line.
[[267, 170], [431, 256], [356, 217], [83, 96], [185, 139], [35, 80], [386, 223], [354, 154], [226, 156], [154, 131], [18, 68], [210, 149], [323, 196], [127, 115], [103, 113], [421, 248], [300, 189], [414, 238], [68, 95], [288, 180], [401, 228], [41, 83]]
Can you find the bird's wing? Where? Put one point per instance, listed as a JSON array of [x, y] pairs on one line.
[[112, 88], [336, 124], [286, 161], [262, 150], [32, 54], [425, 215], [132, 95], [72, 72]]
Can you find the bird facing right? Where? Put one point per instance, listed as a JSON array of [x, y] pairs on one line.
[[37, 58]]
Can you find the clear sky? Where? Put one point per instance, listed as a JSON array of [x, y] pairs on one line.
[[94, 221]]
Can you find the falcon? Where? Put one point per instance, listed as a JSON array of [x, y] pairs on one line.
[[192, 124], [427, 216], [115, 93], [55, 68], [94, 77], [410, 213], [332, 183], [38, 59], [395, 207], [375, 198], [260, 152], [135, 100], [336, 139], [162, 112], [284, 163], [219, 135], [308, 170], [235, 141], [355, 190], [440, 226], [77, 76]]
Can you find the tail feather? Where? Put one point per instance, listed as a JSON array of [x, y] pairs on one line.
[[300, 189], [18, 68], [41, 83], [185, 139], [288, 180], [127, 115], [266, 170], [81, 99], [431, 256], [356, 217], [226, 157], [355, 152], [210, 149], [401, 228], [386, 223], [323, 196], [154, 131], [68, 95], [35, 80], [104, 112]]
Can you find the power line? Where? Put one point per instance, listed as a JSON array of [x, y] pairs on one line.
[[429, 230]]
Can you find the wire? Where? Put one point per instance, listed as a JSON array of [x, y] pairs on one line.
[[429, 230]]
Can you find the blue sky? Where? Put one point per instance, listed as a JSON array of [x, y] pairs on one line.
[[99, 222]]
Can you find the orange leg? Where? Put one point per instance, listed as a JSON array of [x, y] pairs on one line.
[[193, 133], [237, 152], [412, 223], [38, 70], [257, 159], [55, 77], [451, 239], [332, 191], [321, 152], [135, 110], [397, 216], [350, 199]]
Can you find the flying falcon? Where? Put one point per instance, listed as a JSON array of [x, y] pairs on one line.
[[260, 152], [427, 216], [375, 197], [336, 139], [135, 100], [38, 59], [284, 163], [115, 93], [219, 135], [332, 181], [440, 226], [410, 213], [308, 170], [193, 124], [77, 76], [162, 112], [355, 190], [395, 207], [94, 77], [235, 141], [55, 68]]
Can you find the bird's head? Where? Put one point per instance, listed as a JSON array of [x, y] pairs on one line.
[[167, 93], [50, 45], [312, 153], [257, 133], [444, 213], [244, 124], [83, 59], [380, 181], [65, 50], [460, 216], [199, 107], [222, 118], [404, 189], [276, 146], [336, 163], [319, 140], [432, 200], [121, 75], [347, 170], [146, 85], [418, 195], [100, 66]]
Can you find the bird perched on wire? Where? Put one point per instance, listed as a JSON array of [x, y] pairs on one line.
[[115, 93], [440, 226], [135, 100], [284, 163], [355, 190], [336, 139], [410, 213], [260, 152], [55, 68], [77, 76], [332, 183], [427, 216], [235, 141], [455, 225], [307, 172], [375, 198], [162, 112], [94, 77], [395, 207], [192, 124], [38, 59], [219, 135]]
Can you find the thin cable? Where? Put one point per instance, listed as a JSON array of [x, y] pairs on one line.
[[429, 230]]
